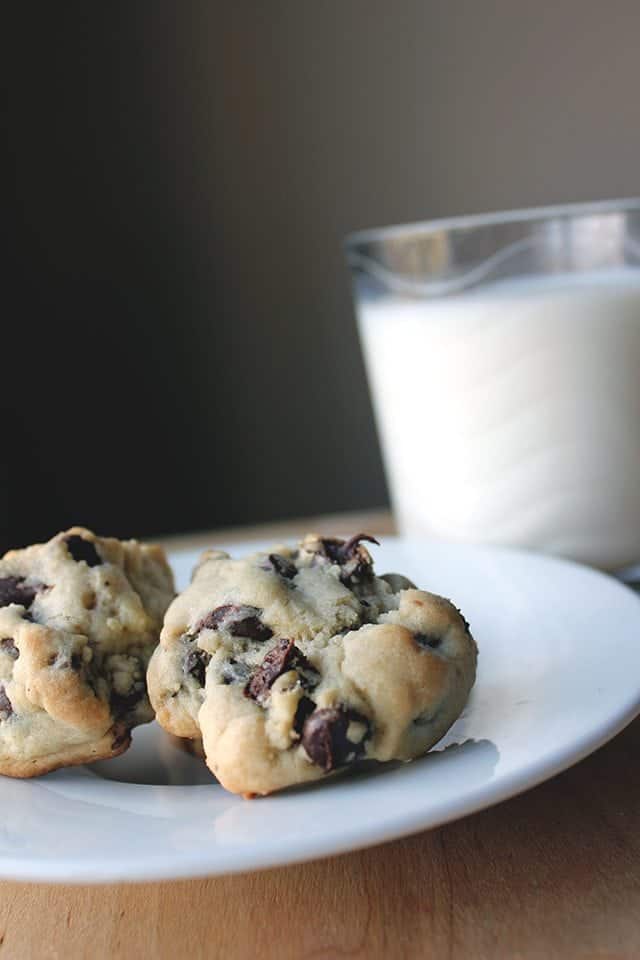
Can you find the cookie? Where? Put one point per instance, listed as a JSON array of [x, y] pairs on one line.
[[292, 664], [79, 619]]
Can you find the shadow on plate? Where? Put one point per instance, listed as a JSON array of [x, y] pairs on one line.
[[158, 759], [485, 756]]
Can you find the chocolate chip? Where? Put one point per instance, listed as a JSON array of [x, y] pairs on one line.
[[239, 621], [195, 664], [81, 549], [283, 567], [340, 551], [356, 563], [6, 708], [234, 672], [427, 640], [16, 590], [76, 661], [352, 546], [283, 657], [324, 737], [354, 559], [275, 663], [8, 646], [305, 708]]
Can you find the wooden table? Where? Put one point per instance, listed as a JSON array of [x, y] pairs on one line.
[[553, 873]]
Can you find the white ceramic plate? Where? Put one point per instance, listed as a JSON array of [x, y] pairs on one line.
[[559, 674]]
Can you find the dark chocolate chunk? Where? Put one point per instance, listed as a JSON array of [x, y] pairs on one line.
[[324, 737], [427, 640], [305, 708], [16, 590], [283, 657], [240, 621], [275, 663], [81, 549], [354, 559], [8, 646], [76, 661], [282, 566], [5, 704], [196, 663], [234, 672], [351, 547]]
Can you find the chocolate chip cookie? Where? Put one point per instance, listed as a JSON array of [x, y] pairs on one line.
[[295, 663], [79, 619]]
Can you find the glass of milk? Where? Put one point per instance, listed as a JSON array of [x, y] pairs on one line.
[[503, 357]]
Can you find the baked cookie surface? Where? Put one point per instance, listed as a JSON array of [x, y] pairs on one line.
[[79, 618], [291, 664]]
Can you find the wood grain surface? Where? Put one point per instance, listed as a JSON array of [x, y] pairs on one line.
[[554, 873]]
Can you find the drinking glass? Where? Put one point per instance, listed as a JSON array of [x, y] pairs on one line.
[[503, 358]]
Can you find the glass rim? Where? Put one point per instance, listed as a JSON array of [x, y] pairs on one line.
[[524, 215]]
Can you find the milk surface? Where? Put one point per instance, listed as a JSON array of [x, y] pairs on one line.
[[511, 414]]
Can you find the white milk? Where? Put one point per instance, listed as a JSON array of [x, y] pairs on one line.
[[511, 414]]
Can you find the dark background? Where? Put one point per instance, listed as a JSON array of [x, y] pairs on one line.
[[179, 350]]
